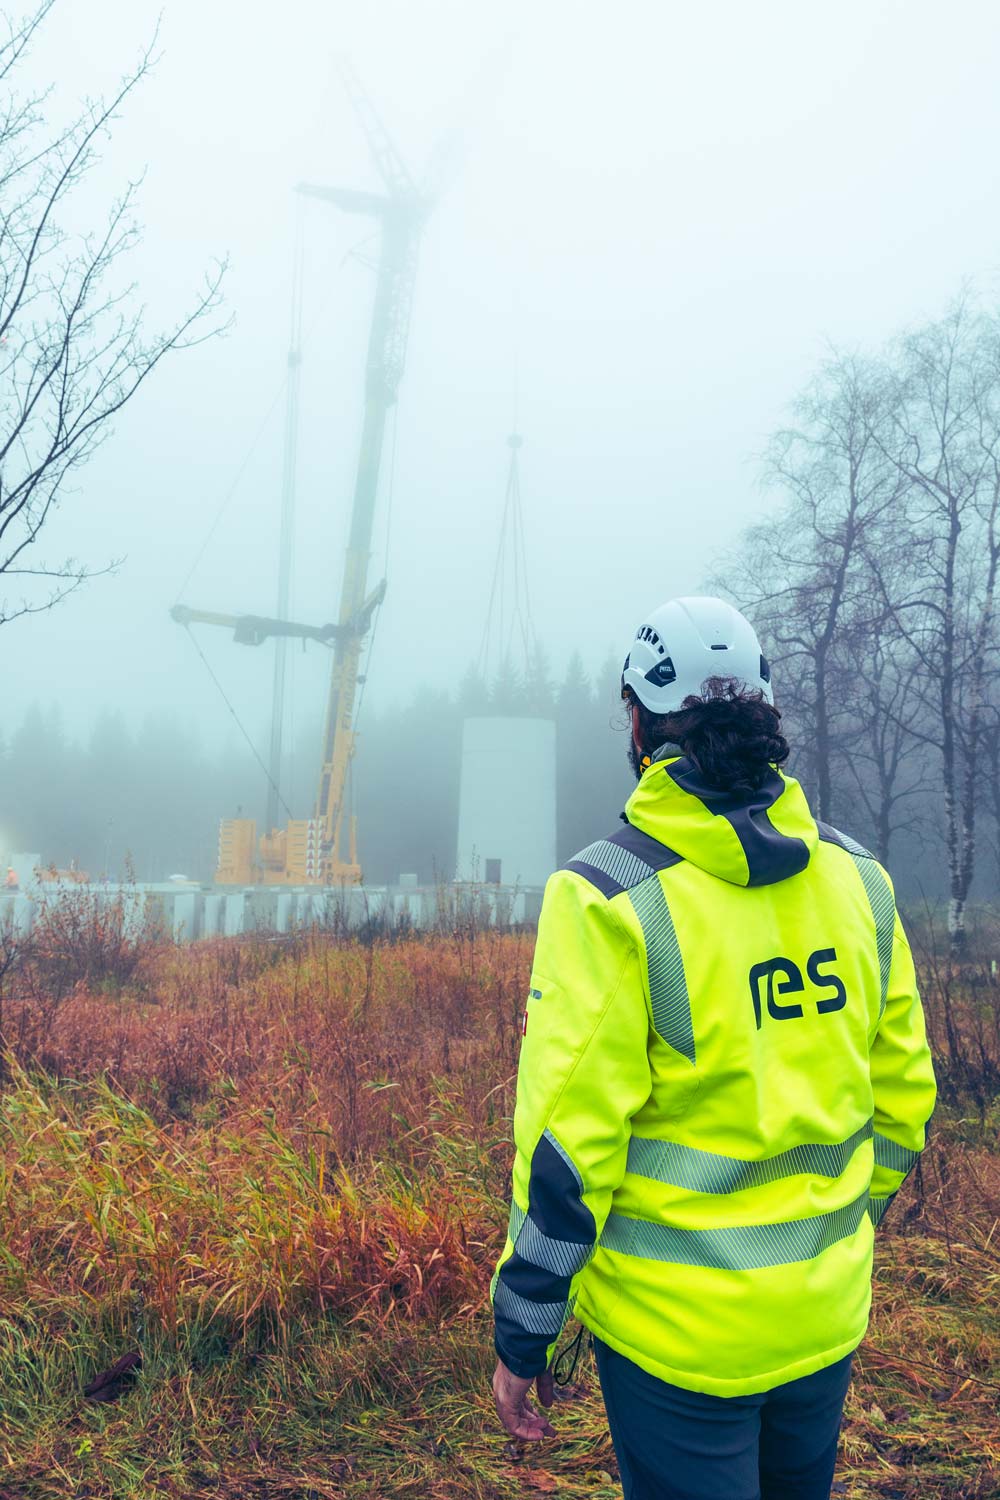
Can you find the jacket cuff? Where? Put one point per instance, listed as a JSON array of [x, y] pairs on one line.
[[524, 1368]]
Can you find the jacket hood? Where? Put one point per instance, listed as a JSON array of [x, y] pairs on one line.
[[747, 838]]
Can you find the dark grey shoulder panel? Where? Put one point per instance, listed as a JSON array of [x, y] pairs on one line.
[[831, 835], [623, 861]]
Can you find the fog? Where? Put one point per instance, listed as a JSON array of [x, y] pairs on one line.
[[663, 215]]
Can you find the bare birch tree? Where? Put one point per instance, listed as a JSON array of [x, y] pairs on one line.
[[875, 583], [945, 444], [798, 571], [73, 345], [885, 768]]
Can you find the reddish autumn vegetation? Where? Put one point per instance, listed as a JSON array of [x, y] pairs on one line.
[[252, 1190]]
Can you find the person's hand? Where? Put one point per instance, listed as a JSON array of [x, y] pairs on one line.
[[519, 1417]]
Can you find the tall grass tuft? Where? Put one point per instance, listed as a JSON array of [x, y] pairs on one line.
[[277, 1173]]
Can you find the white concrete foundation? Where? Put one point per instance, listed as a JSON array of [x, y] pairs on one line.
[[190, 912]]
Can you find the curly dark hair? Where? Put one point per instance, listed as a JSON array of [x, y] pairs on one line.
[[729, 730]]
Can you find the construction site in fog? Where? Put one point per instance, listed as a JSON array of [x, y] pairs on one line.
[[293, 870]]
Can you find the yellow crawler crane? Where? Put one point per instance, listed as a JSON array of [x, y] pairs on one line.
[[310, 851]]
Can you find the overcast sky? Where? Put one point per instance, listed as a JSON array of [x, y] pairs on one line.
[[664, 212]]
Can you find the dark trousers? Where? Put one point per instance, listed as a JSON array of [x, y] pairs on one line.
[[673, 1444]]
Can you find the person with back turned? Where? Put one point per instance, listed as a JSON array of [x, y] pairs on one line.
[[724, 1080]]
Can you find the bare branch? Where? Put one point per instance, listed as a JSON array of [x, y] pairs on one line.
[[73, 347]]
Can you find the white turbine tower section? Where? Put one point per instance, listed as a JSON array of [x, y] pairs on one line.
[[507, 814], [507, 802]]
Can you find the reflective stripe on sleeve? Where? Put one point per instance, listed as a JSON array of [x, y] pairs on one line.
[[517, 1218], [878, 1206], [545, 1319], [532, 1292], [561, 1257], [890, 1154]]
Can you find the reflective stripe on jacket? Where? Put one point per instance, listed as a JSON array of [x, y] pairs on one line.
[[723, 1082]]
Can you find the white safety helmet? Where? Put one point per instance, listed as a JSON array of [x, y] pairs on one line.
[[686, 641]]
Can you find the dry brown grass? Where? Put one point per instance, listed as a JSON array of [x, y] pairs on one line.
[[346, 1037], [280, 1168]]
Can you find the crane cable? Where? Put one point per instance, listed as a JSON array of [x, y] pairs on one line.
[[227, 497], [508, 612], [299, 341], [378, 612], [261, 426], [237, 720], [226, 500]]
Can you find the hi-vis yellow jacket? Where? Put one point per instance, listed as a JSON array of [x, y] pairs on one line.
[[723, 1082]]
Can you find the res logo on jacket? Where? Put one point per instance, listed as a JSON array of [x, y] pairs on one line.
[[699, 1182], [782, 976]]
